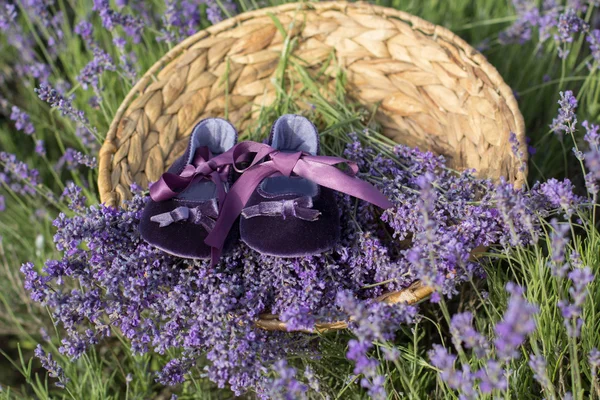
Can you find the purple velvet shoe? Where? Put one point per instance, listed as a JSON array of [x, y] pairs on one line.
[[185, 201], [285, 193], [291, 216]]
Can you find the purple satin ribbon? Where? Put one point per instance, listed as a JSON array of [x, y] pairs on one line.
[[204, 166], [265, 161], [300, 207], [204, 214]]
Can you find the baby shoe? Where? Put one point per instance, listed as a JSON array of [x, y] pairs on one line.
[[286, 193], [185, 201]]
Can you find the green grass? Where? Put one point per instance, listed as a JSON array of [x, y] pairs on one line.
[[102, 373]]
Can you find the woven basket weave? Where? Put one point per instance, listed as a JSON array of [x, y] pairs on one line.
[[434, 91]]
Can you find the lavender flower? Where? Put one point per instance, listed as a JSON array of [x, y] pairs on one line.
[[73, 158], [572, 311], [559, 241], [516, 149], [538, 366], [8, 14], [90, 74], [41, 11], [528, 17], [17, 175], [73, 194], [40, 148], [463, 331], [517, 323], [568, 24], [566, 120], [286, 386], [561, 195], [368, 325], [2, 203], [65, 105], [86, 30], [594, 359], [110, 19], [54, 370], [491, 377], [128, 61], [591, 134], [461, 380], [593, 39], [22, 121], [592, 162]]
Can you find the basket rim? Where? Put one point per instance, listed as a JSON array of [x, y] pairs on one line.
[[417, 291]]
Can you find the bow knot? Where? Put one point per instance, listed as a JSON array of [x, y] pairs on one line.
[[202, 167], [300, 207], [204, 214]]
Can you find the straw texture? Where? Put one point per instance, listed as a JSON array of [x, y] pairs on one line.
[[434, 91]]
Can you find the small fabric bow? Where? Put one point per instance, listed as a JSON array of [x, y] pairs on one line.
[[300, 207], [204, 214]]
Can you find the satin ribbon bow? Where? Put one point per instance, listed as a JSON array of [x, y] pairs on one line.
[[265, 161], [300, 207], [204, 214], [203, 166]]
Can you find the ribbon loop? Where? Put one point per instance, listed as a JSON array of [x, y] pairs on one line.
[[203, 166]]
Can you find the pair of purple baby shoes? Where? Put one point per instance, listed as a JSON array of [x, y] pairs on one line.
[[282, 193]]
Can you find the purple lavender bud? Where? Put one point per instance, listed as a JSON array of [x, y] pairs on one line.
[[2, 203], [518, 322], [559, 241], [65, 105], [594, 358], [561, 195], [86, 30], [8, 14], [593, 38], [462, 330], [491, 377], [569, 24], [591, 134], [22, 121], [73, 194], [566, 120], [516, 150], [90, 74], [40, 148], [17, 175], [520, 31], [538, 366], [463, 381], [592, 162], [572, 311], [73, 159], [54, 370], [110, 19], [286, 386], [45, 336]]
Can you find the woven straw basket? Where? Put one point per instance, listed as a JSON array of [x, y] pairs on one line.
[[434, 91]]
